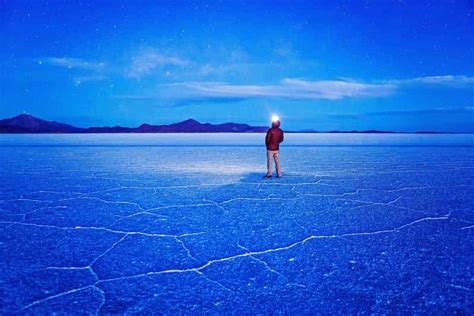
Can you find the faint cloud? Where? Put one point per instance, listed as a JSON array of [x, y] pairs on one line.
[[208, 69], [293, 89], [150, 60], [85, 71], [71, 63], [196, 92], [446, 79], [165, 100], [466, 110], [439, 110]]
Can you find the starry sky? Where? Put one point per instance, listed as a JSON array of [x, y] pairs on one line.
[[405, 65]]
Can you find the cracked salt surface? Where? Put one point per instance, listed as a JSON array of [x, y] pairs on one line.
[[195, 230]]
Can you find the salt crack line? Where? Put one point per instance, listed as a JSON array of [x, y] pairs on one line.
[[397, 229], [267, 266], [261, 261], [216, 204], [304, 195], [102, 200], [149, 211], [98, 289], [260, 199], [256, 253], [461, 287], [24, 199], [139, 233], [55, 296], [102, 303], [136, 214], [25, 215], [86, 194], [108, 250], [327, 195], [243, 255], [213, 281], [88, 268], [372, 203], [178, 206], [56, 192], [103, 229], [183, 245]]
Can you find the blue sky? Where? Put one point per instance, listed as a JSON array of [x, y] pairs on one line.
[[324, 65]]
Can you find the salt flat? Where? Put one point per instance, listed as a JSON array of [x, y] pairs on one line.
[[133, 223]]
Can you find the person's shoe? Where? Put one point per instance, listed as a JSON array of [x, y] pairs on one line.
[[279, 176], [268, 176]]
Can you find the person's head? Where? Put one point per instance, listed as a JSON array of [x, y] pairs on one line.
[[276, 124]]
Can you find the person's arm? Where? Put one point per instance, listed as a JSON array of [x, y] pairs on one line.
[[282, 137], [268, 137]]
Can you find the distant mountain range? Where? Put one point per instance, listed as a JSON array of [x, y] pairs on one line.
[[25, 123]]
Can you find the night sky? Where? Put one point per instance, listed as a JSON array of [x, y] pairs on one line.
[[324, 65]]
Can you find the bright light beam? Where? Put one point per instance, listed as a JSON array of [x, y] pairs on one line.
[[275, 118]]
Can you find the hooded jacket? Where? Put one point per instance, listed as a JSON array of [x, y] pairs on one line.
[[274, 137]]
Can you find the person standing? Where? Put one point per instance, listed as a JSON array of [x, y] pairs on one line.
[[272, 140]]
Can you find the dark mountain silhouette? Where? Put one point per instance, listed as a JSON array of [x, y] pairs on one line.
[[193, 126], [26, 123]]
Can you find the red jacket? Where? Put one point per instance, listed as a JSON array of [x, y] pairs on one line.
[[274, 138]]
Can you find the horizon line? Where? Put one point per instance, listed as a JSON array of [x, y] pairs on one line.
[[303, 131]]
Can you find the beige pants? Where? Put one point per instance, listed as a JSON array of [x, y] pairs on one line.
[[273, 155]]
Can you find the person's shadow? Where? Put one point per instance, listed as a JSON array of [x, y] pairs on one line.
[[253, 177]]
